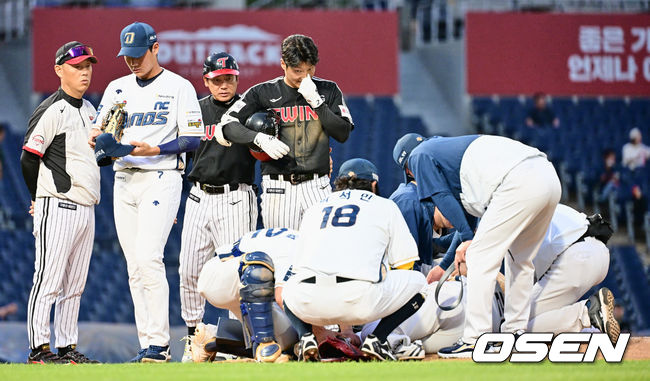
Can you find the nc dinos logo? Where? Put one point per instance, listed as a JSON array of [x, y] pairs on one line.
[[253, 48]]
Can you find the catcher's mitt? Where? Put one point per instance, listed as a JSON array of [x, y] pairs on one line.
[[339, 349], [115, 121]]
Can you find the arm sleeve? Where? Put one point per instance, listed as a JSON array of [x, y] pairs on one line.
[[432, 183], [43, 127], [335, 117], [233, 120], [189, 119], [30, 164], [180, 145]]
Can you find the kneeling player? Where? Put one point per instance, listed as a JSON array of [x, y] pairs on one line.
[[242, 279], [347, 244]]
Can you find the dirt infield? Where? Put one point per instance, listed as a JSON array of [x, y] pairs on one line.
[[638, 348]]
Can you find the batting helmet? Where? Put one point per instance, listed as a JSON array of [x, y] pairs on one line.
[[266, 122], [219, 64]]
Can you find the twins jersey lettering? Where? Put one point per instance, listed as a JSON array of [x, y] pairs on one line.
[[159, 112]]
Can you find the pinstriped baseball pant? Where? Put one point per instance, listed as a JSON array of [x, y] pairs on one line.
[[211, 220], [64, 232], [283, 203]]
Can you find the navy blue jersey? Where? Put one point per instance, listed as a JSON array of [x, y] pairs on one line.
[[418, 216]]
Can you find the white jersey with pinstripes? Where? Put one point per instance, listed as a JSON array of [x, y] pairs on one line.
[[158, 113]]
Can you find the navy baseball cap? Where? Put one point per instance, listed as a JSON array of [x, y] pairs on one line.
[[136, 39], [404, 146], [359, 168], [106, 147]]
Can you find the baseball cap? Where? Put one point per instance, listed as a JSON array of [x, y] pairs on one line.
[[404, 146], [107, 146], [359, 168], [220, 64], [74, 52], [136, 39]]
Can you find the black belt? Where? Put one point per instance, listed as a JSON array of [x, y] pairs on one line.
[[339, 279], [296, 178], [217, 189]]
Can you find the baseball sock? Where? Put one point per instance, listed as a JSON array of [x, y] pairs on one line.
[[190, 331], [390, 322], [300, 326]]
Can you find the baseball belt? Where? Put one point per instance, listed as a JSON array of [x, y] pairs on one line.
[[442, 281]]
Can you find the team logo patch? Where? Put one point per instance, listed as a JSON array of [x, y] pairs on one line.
[[274, 190], [38, 140]]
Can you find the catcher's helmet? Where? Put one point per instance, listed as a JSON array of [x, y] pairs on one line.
[[219, 64], [267, 122]]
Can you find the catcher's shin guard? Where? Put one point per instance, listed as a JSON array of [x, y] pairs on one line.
[[257, 296]]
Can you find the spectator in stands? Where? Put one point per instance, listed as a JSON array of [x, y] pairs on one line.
[[541, 115], [639, 210], [635, 153], [610, 178], [2, 154]]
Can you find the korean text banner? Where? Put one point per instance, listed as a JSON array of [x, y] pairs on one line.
[[561, 54], [358, 50]]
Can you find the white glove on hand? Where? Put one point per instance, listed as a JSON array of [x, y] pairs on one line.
[[308, 90], [219, 135], [271, 145]]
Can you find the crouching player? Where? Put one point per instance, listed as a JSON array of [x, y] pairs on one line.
[[243, 278]]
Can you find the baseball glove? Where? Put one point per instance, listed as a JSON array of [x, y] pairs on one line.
[[339, 349], [115, 121]]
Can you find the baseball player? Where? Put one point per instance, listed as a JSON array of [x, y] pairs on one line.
[[312, 110], [418, 215], [63, 179], [222, 204], [350, 267], [246, 278], [515, 190], [572, 241], [164, 121]]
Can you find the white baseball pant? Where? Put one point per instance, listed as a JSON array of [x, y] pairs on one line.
[[145, 206], [64, 232], [283, 203], [513, 226], [556, 306], [352, 302], [211, 220], [219, 284]]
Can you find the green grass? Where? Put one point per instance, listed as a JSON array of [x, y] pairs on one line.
[[432, 370]]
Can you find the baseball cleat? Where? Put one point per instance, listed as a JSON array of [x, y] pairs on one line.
[[187, 351], [44, 356], [409, 351], [203, 334], [157, 353], [459, 350], [73, 356], [308, 348], [601, 313], [376, 349], [267, 352]]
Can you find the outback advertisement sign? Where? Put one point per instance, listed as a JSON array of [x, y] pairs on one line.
[[358, 50]]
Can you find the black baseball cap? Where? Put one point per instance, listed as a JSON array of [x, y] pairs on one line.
[[74, 52]]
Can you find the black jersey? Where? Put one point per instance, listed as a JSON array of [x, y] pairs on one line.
[[305, 130], [215, 164]]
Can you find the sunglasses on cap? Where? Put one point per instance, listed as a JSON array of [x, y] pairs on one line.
[[74, 52]]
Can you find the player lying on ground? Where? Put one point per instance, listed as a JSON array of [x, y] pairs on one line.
[[351, 248], [573, 241]]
